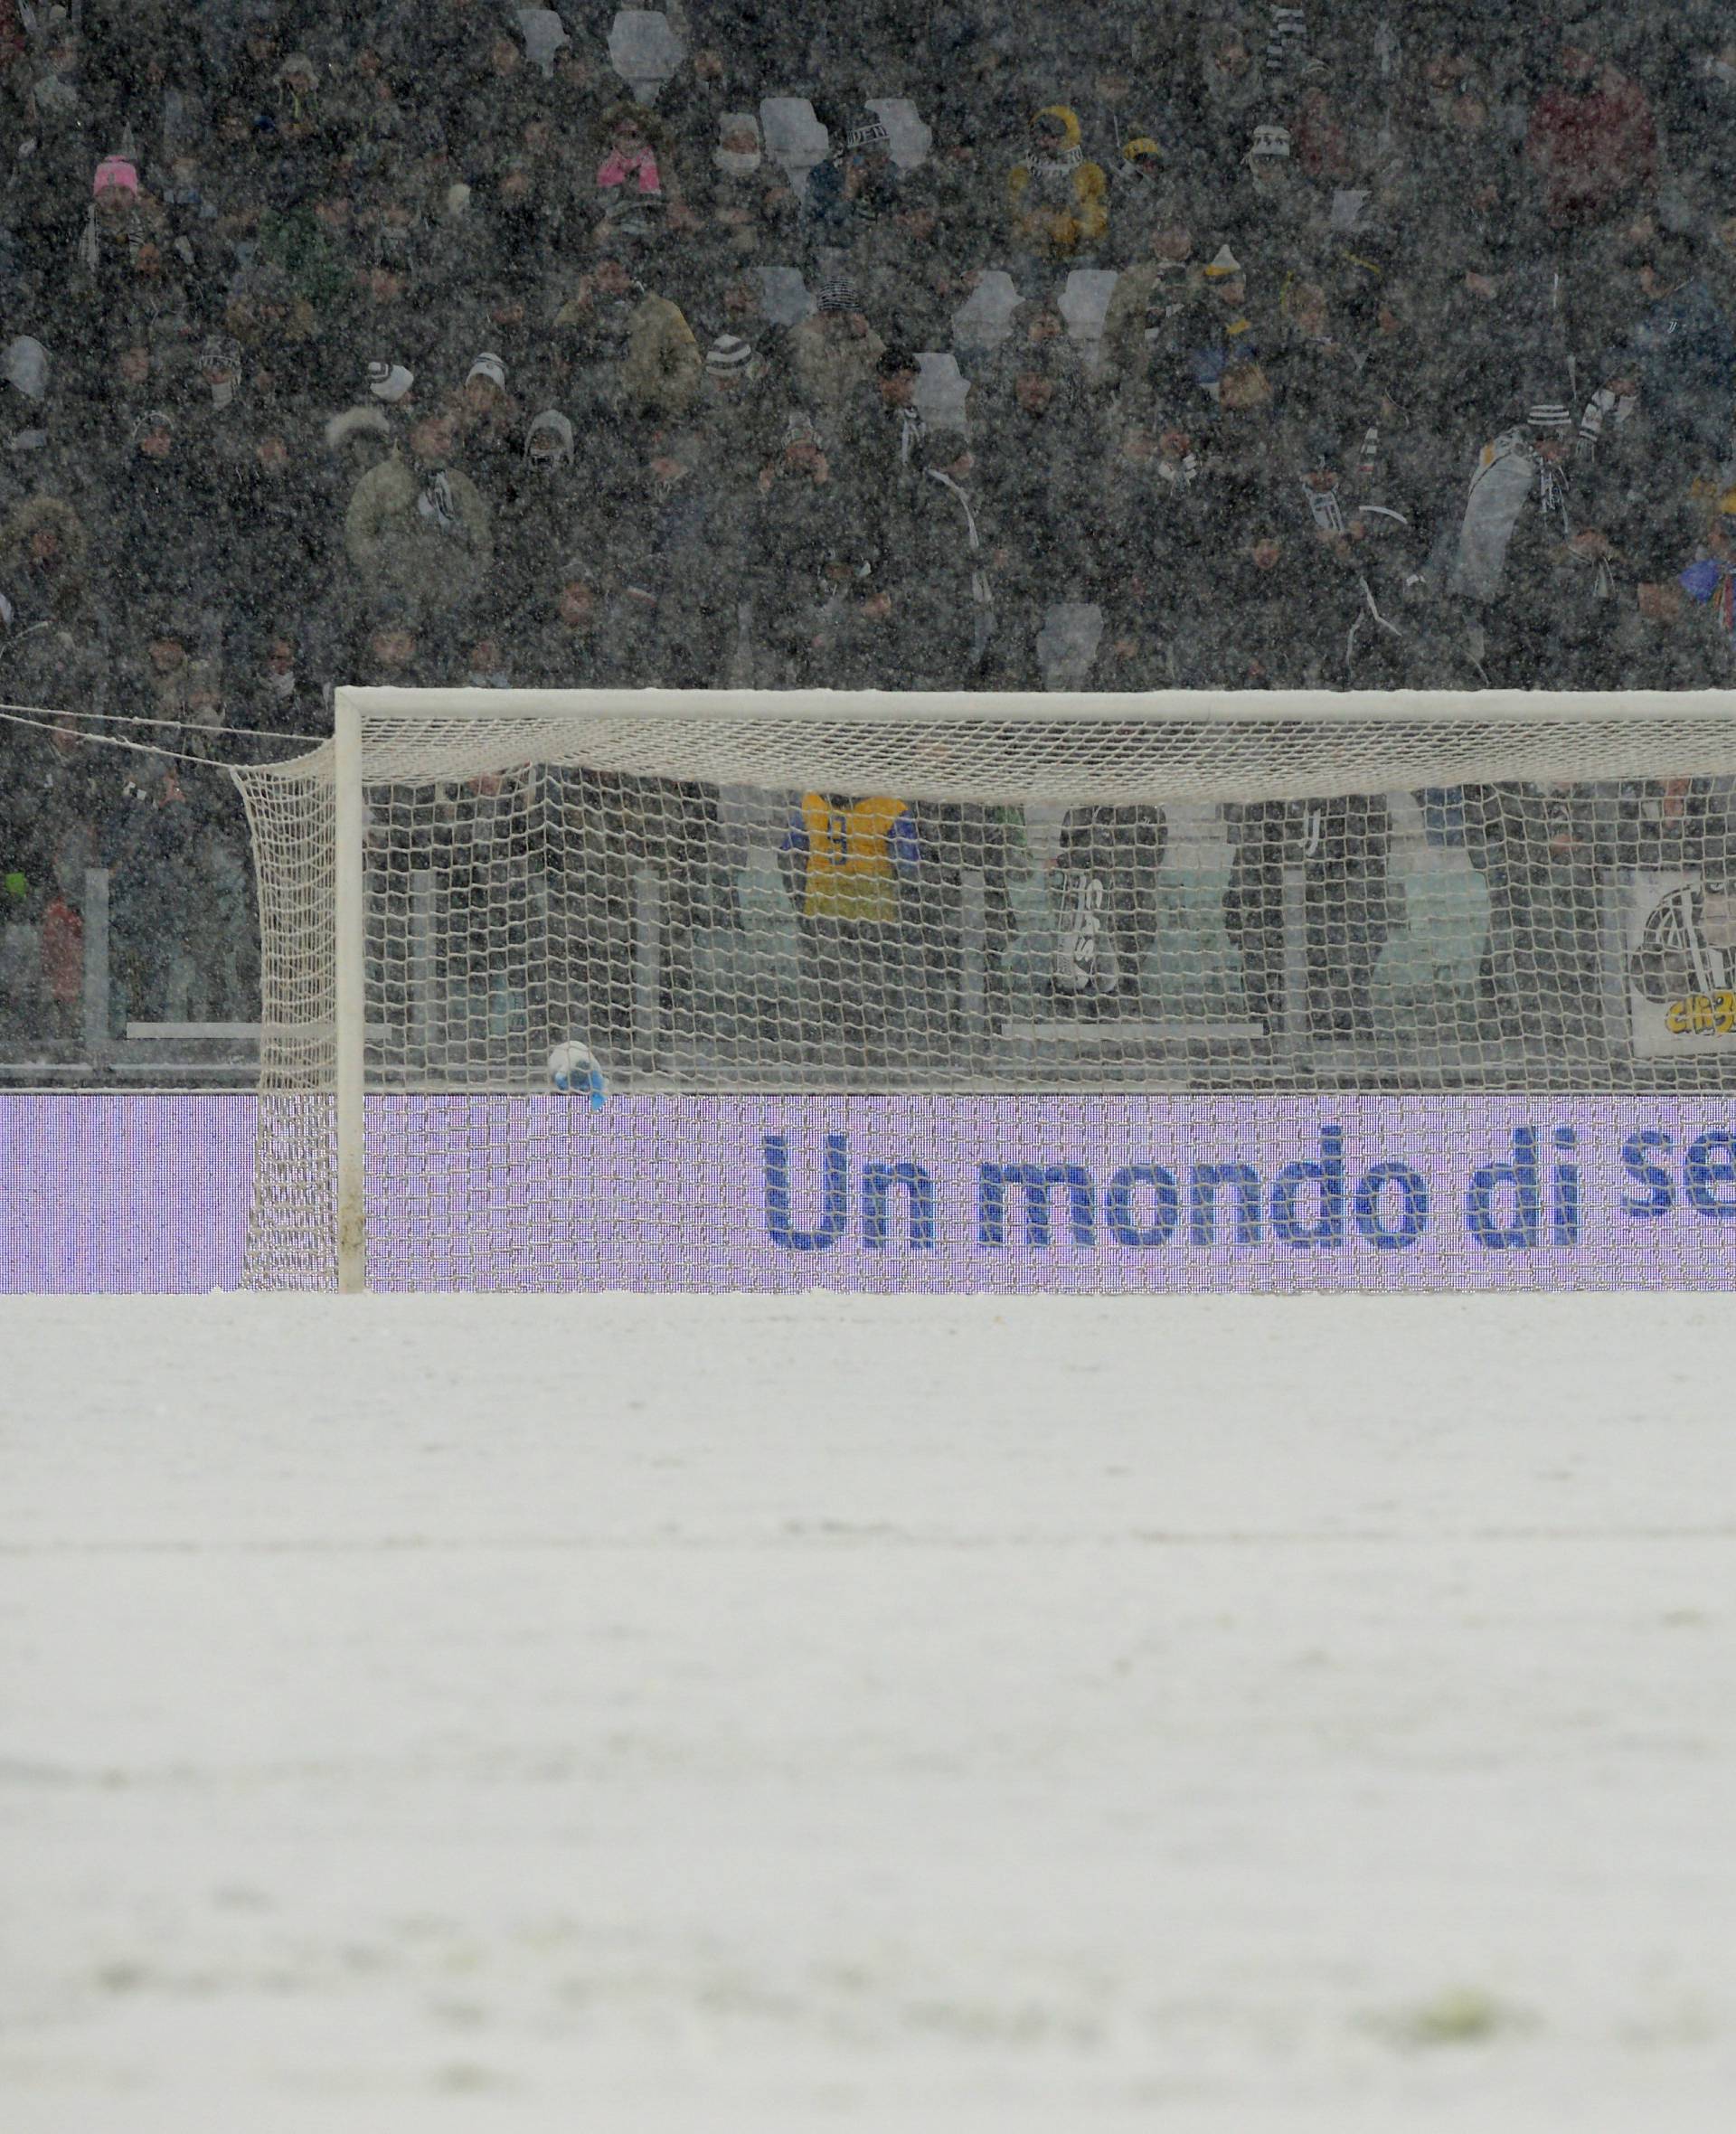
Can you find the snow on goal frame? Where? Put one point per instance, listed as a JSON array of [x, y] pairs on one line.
[[778, 920]]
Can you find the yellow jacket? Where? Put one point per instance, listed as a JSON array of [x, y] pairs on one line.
[[1057, 211], [851, 860]]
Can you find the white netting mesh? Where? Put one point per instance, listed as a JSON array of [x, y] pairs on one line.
[[716, 892]]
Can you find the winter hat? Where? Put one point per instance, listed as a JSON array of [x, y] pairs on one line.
[[799, 428], [356, 422], [153, 419], [490, 367], [1141, 152], [114, 174], [553, 423], [220, 353], [836, 295], [1225, 267], [728, 356], [1550, 418], [1272, 144], [26, 367], [578, 571], [868, 130], [621, 240], [390, 382]]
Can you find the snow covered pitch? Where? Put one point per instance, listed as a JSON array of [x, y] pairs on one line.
[[790, 1715]]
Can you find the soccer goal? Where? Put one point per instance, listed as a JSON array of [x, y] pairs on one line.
[[556, 982]]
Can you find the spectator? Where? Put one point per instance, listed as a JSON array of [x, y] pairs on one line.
[[1592, 140], [1112, 854], [846, 864], [1059, 202], [633, 189], [1684, 355], [734, 430], [1710, 582], [856, 187], [418, 529], [1139, 338], [834, 354], [43, 546], [747, 208], [949, 566], [803, 523], [626, 352]]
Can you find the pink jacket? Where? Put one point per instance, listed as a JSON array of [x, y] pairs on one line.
[[615, 169]]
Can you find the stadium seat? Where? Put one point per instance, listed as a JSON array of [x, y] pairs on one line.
[[644, 50], [911, 138], [1067, 643], [984, 318], [793, 136], [1085, 300], [941, 389], [544, 34], [785, 296]]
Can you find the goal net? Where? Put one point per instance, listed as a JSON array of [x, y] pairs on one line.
[[851, 896]]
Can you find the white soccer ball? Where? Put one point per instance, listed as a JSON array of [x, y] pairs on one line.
[[574, 1073]]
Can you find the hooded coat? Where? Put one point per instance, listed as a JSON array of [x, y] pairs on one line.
[[537, 523], [660, 366], [436, 554], [1061, 204], [832, 368]]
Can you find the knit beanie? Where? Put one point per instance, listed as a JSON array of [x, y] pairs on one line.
[[728, 356], [390, 382]]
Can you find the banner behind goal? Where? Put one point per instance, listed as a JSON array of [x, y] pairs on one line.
[[858, 896]]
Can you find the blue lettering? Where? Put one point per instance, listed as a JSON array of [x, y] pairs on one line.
[[834, 1203], [877, 1183], [1702, 1176], [1202, 1202], [1517, 1177], [1167, 1204], [1564, 1194], [1413, 1207], [1328, 1228], [1653, 1178], [1037, 1183]]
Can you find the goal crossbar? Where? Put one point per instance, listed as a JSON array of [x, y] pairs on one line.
[[1524, 707]]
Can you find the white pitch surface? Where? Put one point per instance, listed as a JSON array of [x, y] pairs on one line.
[[909, 1716]]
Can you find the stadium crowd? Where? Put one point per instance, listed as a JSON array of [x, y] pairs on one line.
[[966, 346]]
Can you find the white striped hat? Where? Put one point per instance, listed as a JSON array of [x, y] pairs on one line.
[[728, 355]]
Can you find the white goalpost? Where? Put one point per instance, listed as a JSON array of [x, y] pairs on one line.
[[844, 895]]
